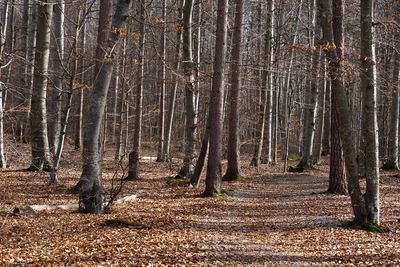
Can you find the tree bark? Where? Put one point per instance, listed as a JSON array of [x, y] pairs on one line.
[[90, 190], [39, 138], [213, 178], [133, 171], [233, 170], [190, 101], [337, 172], [369, 111], [342, 107]]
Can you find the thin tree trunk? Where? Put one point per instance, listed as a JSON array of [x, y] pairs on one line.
[[172, 100], [162, 75], [233, 170], [190, 101], [133, 171], [57, 60], [213, 177], [392, 162], [90, 190], [320, 115]]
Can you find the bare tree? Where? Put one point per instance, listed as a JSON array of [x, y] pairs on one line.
[[233, 170], [39, 138], [213, 177], [90, 191]]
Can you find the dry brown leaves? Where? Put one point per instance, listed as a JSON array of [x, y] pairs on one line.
[[269, 219]]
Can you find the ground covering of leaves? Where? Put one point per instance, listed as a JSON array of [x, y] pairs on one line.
[[268, 219]]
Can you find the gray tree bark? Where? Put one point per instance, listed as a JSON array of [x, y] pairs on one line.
[[392, 162], [56, 90], [233, 170], [337, 171], [369, 110], [342, 107], [190, 101], [38, 119], [213, 177], [133, 171], [90, 190]]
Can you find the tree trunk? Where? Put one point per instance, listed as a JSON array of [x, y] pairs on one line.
[[342, 107], [311, 96], [369, 110], [337, 172], [40, 144], [161, 76], [55, 92], [172, 100], [133, 171], [213, 178], [392, 162], [233, 170], [90, 190], [190, 101]]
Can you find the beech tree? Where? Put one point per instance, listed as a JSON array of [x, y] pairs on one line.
[[91, 191], [213, 177], [38, 119]]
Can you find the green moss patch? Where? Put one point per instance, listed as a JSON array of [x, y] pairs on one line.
[[370, 227]]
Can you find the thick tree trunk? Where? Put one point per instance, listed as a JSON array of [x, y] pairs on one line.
[[233, 170], [342, 107], [213, 178], [40, 144], [369, 110], [133, 171], [337, 172], [190, 101], [311, 96], [90, 190]]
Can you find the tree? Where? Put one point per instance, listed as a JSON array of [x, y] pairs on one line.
[[133, 171], [337, 172], [369, 128], [392, 163], [38, 120], [90, 191], [311, 96], [233, 170], [213, 177], [189, 71]]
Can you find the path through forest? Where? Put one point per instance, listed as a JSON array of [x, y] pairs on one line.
[[268, 219]]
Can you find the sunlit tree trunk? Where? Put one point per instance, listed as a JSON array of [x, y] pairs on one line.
[[340, 102], [190, 101], [56, 91], [90, 190], [369, 110], [39, 138]]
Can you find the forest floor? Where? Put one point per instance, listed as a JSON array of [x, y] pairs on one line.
[[268, 219]]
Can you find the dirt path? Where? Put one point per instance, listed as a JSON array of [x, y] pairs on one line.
[[268, 220]]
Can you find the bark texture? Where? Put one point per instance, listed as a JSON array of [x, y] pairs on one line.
[[90, 190], [213, 177]]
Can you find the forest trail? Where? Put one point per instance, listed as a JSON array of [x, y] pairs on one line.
[[268, 219]]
